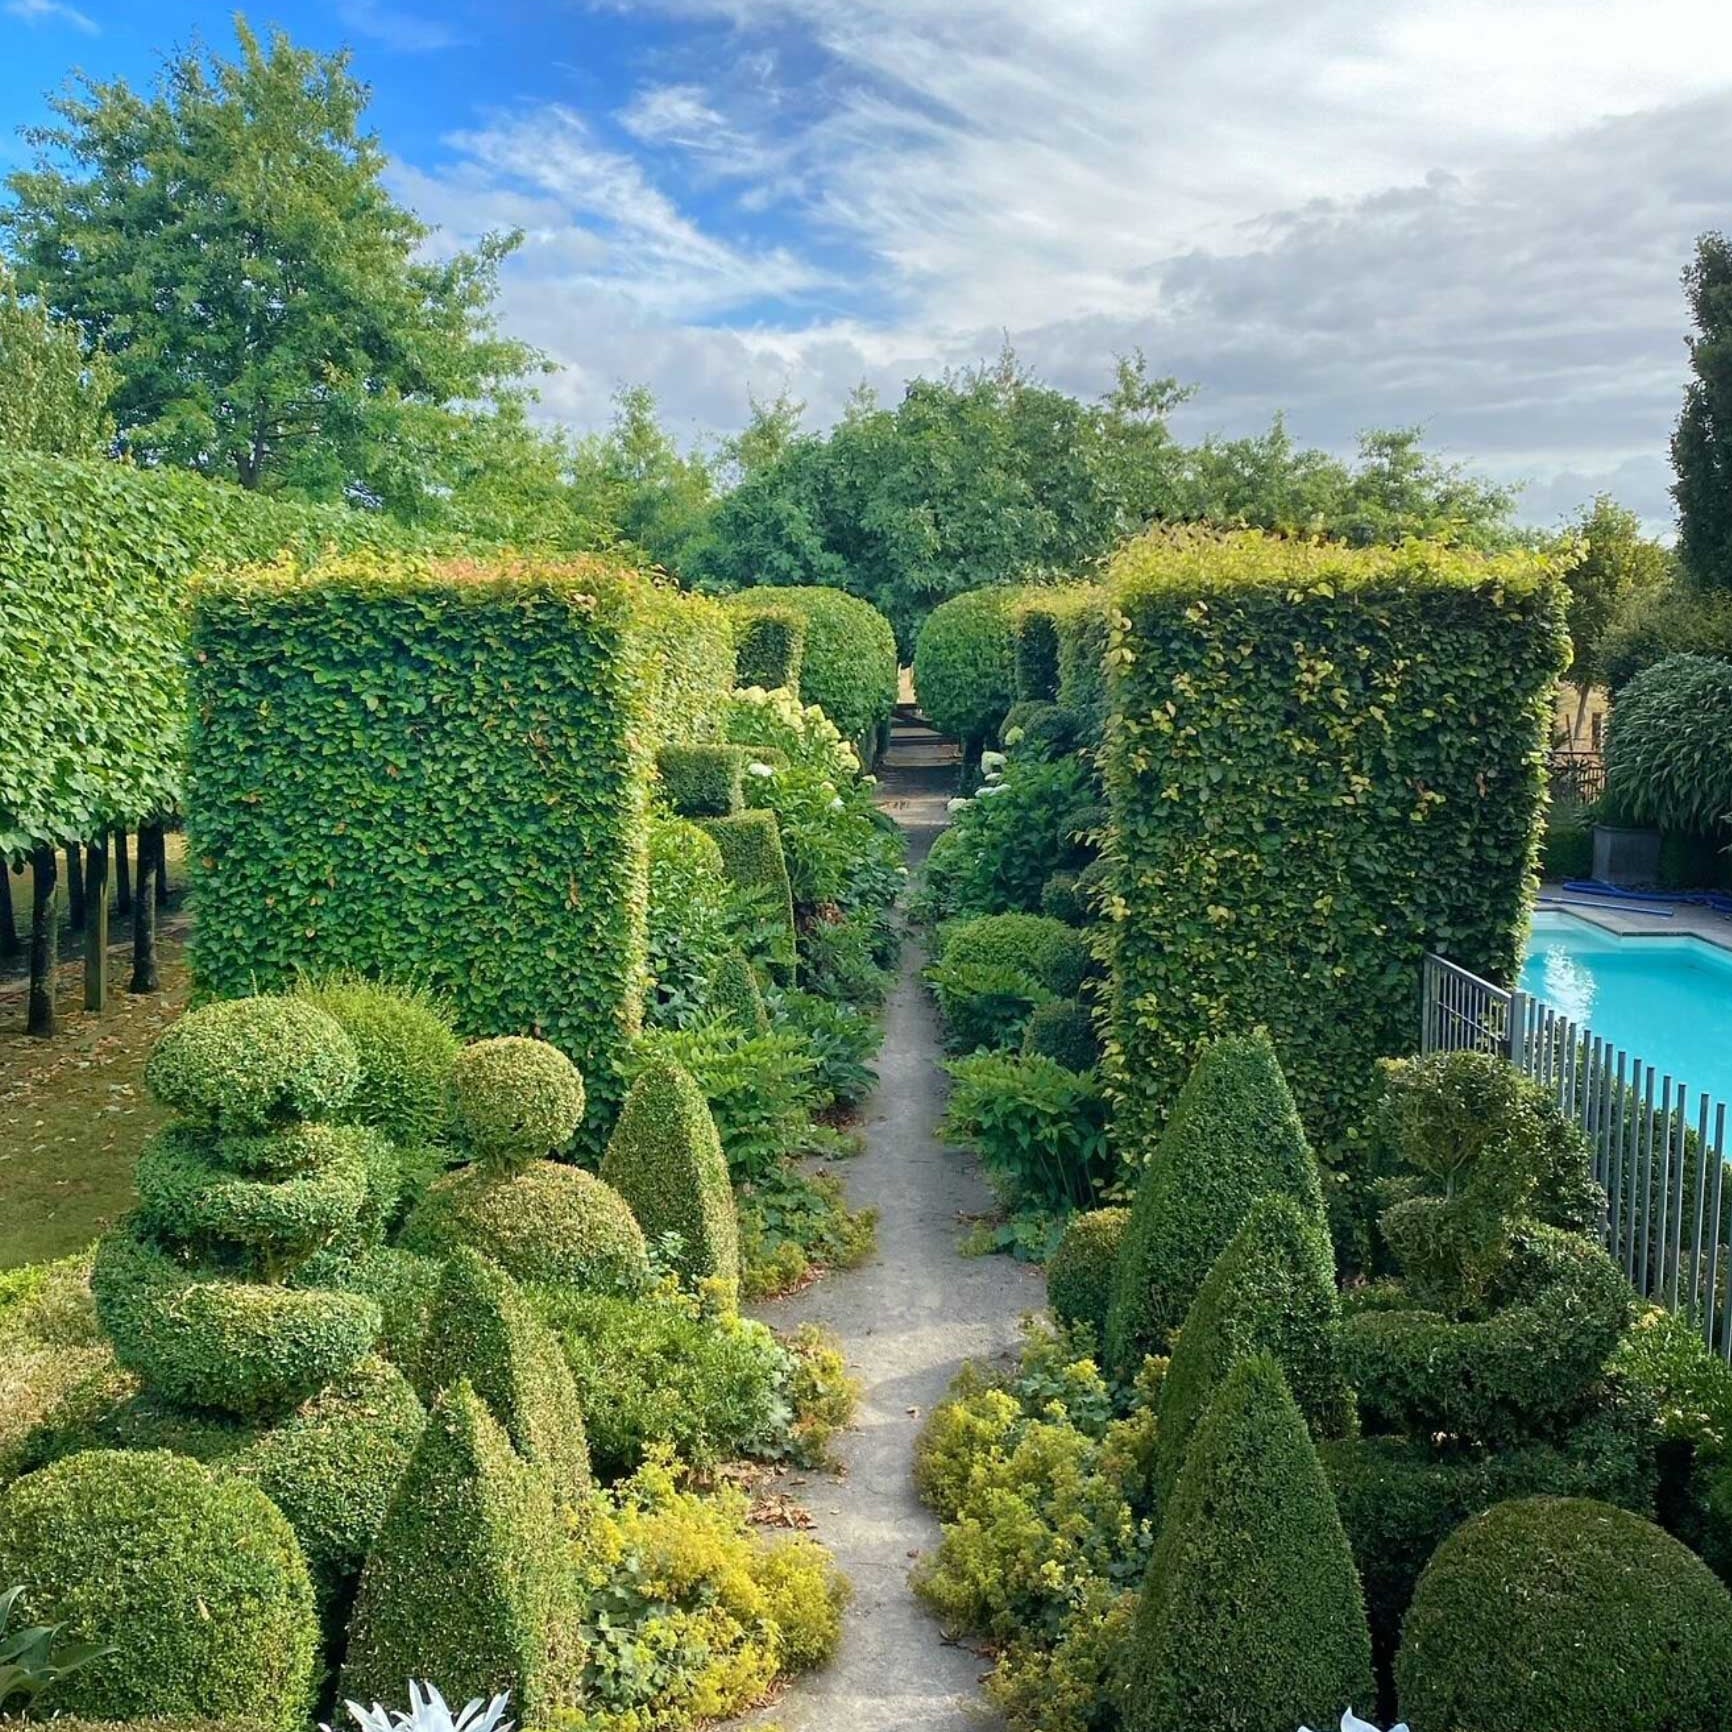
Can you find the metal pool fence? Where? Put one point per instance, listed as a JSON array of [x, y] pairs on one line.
[[1658, 1148]]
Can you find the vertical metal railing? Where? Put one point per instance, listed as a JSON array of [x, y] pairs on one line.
[[1658, 1147]]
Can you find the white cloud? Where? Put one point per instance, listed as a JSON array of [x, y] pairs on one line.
[[405, 32], [53, 12]]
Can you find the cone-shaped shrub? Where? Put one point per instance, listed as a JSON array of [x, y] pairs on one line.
[[1251, 1616], [1079, 1274], [735, 989], [481, 1329], [665, 1158], [1234, 1136], [469, 1580], [1271, 1291]]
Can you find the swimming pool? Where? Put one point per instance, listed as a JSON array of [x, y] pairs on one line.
[[1667, 999]]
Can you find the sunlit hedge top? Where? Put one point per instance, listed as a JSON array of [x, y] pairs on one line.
[[849, 668]]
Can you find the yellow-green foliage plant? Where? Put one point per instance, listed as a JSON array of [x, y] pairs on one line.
[[1324, 762], [191, 1579], [435, 770], [1234, 1136], [472, 1578], [665, 1158], [1251, 1615]]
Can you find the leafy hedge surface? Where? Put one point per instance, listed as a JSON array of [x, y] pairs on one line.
[[1324, 763], [1669, 757], [769, 648], [850, 668], [97, 557], [1082, 620], [965, 663], [1036, 650], [432, 770], [688, 653]]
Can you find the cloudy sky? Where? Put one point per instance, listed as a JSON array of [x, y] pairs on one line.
[[1465, 214]]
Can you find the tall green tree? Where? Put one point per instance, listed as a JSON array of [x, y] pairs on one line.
[[229, 241], [54, 392], [1618, 567], [1702, 443], [635, 475]]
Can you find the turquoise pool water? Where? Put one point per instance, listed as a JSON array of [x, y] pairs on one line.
[[1667, 1000]]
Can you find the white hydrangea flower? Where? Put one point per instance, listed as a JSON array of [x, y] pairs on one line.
[[756, 769], [994, 788], [956, 805]]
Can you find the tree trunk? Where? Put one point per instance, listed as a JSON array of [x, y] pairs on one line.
[[10, 948], [44, 941], [161, 867], [122, 877], [96, 924], [74, 887], [1584, 695], [144, 975]]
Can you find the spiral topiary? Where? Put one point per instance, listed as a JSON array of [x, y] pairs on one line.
[[513, 1100]]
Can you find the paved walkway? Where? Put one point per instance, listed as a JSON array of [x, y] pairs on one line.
[[908, 1320]]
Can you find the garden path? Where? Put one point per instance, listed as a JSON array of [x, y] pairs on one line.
[[907, 1319]]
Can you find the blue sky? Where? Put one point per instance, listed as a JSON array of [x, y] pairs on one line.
[[1464, 214]]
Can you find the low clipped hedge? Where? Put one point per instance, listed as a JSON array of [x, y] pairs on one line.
[[703, 781], [734, 989], [1079, 1273], [1234, 1137], [1036, 650], [192, 1577], [1324, 762], [751, 845], [850, 668], [965, 664], [769, 648], [1560, 1614], [993, 970]]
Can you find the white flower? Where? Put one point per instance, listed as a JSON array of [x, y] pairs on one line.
[[955, 806], [836, 804], [428, 1713], [992, 762], [755, 769], [994, 788]]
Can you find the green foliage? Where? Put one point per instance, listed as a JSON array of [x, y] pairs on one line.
[[691, 920], [1040, 1130], [1251, 1614], [1699, 445], [1079, 1274], [57, 390], [702, 781], [734, 992], [1674, 620], [1234, 1136], [513, 1100], [1064, 1031], [1271, 1291], [479, 729], [285, 329], [839, 1039], [548, 1223], [1669, 757], [192, 1580], [965, 664], [795, 1225], [406, 1046], [1389, 708], [687, 648], [469, 1580], [666, 1160], [1083, 618], [751, 846], [1619, 568], [990, 971], [850, 666], [1567, 848], [1036, 651], [769, 647], [483, 1331], [1552, 1614]]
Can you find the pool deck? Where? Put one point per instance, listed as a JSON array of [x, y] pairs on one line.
[[1637, 919]]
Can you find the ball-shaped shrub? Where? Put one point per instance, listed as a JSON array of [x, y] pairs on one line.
[[1079, 1274], [546, 1225], [192, 1578], [514, 1099], [965, 663], [1063, 1031], [250, 1064], [406, 1046], [1669, 753], [1563, 1614], [850, 666]]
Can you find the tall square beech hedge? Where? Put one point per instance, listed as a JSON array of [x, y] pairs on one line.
[[1322, 762], [432, 771]]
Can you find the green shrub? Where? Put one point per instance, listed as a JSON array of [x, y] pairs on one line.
[[685, 642], [1555, 1614], [1271, 1291], [1082, 617], [483, 1331], [991, 971], [406, 1046], [469, 1580], [514, 1099], [1324, 763], [1251, 1615], [703, 781], [965, 664], [691, 919], [1679, 620], [549, 1224], [1064, 1031], [850, 666], [1036, 650], [1061, 897], [841, 1041], [1234, 1136], [1567, 848], [751, 845], [192, 1579], [666, 1160], [734, 991], [795, 1224], [1079, 1274], [252, 1064], [1669, 753], [769, 648], [484, 733], [400, 1282]]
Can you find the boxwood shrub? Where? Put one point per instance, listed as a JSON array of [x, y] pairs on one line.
[[1062, 1030], [965, 664], [703, 781], [1036, 650], [850, 667], [992, 970], [1082, 618], [769, 648], [1324, 763], [1079, 1274], [751, 845]]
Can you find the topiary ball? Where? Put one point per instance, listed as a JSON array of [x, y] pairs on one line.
[[1563, 1614], [251, 1064], [513, 1099], [1079, 1274], [1063, 1031], [192, 1578], [548, 1224]]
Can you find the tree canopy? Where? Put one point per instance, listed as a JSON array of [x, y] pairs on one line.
[[56, 391], [1702, 444]]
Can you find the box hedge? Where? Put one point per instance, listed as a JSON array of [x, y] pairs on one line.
[[751, 845], [1079, 1273], [1082, 618], [965, 664], [703, 781], [1324, 763], [433, 769], [1036, 650], [850, 668], [769, 648]]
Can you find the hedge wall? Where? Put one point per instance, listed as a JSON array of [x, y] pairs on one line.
[[965, 663], [1082, 620], [434, 770], [689, 642], [1324, 762], [850, 667], [96, 557]]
